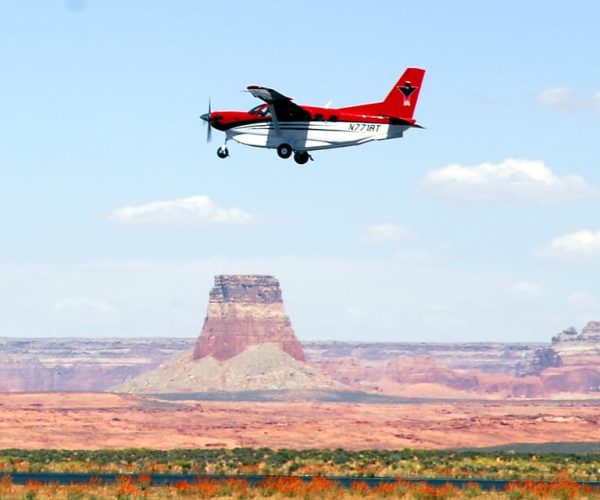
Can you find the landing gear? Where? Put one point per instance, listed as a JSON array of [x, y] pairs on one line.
[[284, 151], [301, 157], [223, 152]]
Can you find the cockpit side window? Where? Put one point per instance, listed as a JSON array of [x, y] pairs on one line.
[[255, 109], [260, 110]]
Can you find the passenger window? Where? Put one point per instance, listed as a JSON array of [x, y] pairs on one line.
[[333, 118], [319, 118]]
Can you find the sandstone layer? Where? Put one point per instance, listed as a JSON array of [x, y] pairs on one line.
[[245, 310]]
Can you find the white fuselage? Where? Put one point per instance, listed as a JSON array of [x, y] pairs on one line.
[[313, 135]]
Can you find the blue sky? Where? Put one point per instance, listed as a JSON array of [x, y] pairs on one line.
[[482, 227]]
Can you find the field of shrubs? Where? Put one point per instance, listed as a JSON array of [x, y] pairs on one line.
[[368, 463], [560, 473]]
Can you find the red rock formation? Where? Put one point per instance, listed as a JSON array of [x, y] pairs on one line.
[[585, 379], [245, 310], [581, 350], [422, 369]]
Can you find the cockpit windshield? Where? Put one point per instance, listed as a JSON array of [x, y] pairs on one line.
[[260, 110]]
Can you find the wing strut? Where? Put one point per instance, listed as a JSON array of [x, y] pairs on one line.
[[274, 118]]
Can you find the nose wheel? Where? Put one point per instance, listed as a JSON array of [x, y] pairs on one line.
[[223, 152]]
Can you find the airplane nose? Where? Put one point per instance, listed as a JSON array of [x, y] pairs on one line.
[[205, 117]]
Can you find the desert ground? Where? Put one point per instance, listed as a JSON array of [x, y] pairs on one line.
[[101, 420]]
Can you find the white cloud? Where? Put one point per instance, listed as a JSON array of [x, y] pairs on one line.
[[386, 232], [183, 211], [567, 100], [509, 180], [82, 305], [582, 300], [559, 98], [527, 290], [580, 246]]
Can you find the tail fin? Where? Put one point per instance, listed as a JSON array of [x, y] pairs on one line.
[[402, 99]]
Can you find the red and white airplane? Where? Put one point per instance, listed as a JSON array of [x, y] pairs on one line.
[[281, 124]]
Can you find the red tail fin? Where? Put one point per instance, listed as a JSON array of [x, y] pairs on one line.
[[402, 99]]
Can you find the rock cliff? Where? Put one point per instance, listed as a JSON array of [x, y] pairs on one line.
[[245, 310], [579, 350], [71, 364], [543, 358]]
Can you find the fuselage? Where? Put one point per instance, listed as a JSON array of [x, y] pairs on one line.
[[295, 130], [318, 128]]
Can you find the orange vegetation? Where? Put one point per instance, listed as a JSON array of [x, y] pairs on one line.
[[289, 487]]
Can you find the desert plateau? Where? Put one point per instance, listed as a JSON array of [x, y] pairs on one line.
[[96, 421]]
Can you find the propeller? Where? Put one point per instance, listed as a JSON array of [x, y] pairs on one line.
[[206, 118]]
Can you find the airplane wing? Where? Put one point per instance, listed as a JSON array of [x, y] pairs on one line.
[[282, 107]]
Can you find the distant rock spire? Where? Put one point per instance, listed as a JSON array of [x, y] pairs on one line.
[[243, 311]]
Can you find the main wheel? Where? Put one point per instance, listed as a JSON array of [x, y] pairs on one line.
[[222, 152], [284, 151], [301, 157]]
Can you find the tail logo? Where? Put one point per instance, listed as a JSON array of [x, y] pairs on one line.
[[407, 89]]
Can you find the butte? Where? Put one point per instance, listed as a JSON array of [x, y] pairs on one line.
[[247, 343]]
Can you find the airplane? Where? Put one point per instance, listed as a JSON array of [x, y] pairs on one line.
[[281, 124]]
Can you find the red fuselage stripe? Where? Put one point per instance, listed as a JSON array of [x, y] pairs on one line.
[[225, 120]]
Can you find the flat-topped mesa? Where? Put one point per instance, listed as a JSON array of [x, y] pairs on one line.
[[245, 310], [245, 288]]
